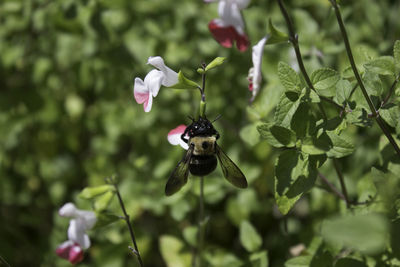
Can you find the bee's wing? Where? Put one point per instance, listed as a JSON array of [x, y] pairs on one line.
[[231, 172], [180, 174]]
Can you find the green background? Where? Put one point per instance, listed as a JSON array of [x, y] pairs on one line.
[[68, 119]]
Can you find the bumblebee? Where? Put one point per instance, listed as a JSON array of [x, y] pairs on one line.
[[201, 157]]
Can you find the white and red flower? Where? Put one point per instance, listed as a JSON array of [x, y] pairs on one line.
[[229, 27], [144, 91], [255, 75], [78, 240], [174, 136]]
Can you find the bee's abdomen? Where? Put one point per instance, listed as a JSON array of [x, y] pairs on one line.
[[202, 165]]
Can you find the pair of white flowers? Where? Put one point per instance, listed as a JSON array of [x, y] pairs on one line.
[[145, 90], [78, 240]]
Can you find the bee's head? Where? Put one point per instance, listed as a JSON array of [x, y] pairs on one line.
[[201, 127]]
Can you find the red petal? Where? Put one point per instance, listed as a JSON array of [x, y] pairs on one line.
[[141, 97], [251, 86], [63, 251], [75, 254], [242, 42], [223, 35], [178, 130]]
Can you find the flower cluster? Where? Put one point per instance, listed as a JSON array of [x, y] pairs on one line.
[[144, 91], [78, 240], [229, 27]]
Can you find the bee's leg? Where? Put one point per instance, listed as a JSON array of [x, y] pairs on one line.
[[217, 136]]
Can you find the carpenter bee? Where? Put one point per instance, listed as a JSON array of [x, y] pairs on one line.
[[201, 157]]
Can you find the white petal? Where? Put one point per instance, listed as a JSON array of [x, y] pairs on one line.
[[230, 15], [257, 53], [242, 3], [148, 104], [170, 76], [174, 137], [76, 233], [87, 218], [153, 81], [68, 210], [140, 91], [140, 86]]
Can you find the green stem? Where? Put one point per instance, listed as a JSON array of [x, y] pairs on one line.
[[126, 218], [200, 241], [391, 90], [341, 180], [374, 113]]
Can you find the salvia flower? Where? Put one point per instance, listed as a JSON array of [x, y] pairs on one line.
[[78, 240], [174, 136], [229, 27], [144, 91], [255, 75]]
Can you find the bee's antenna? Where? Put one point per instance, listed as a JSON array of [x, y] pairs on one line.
[[190, 117], [217, 118]]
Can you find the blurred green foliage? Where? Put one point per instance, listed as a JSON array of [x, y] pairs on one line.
[[68, 120]]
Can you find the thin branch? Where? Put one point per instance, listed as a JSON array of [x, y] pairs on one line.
[[332, 187], [294, 39], [342, 184], [391, 90], [374, 112], [4, 262], [134, 250]]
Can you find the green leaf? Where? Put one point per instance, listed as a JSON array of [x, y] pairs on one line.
[[190, 235], [102, 202], [396, 53], [364, 232], [391, 114], [275, 35], [372, 83], [171, 251], [295, 173], [249, 238], [348, 262], [285, 110], [324, 81], [300, 261], [92, 192], [215, 63], [184, 83], [250, 134], [259, 259], [288, 77], [309, 96], [343, 90], [104, 219], [303, 122], [382, 65], [340, 147], [277, 136], [315, 146], [222, 258]]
